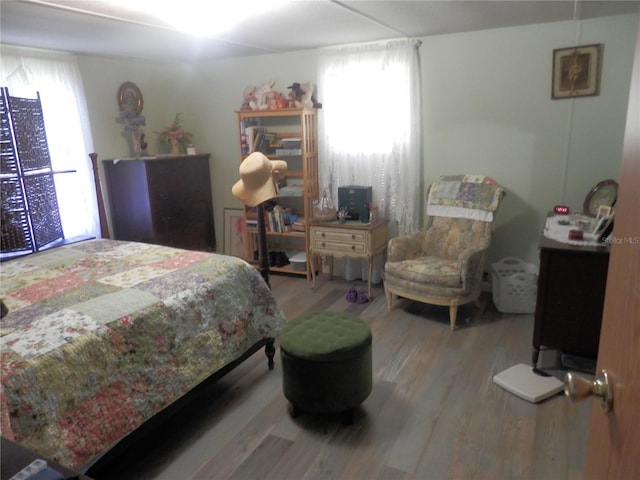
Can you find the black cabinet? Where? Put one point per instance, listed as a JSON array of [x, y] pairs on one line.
[[570, 298], [164, 200]]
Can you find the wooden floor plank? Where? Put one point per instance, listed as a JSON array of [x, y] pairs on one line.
[[433, 413], [262, 460], [385, 423]]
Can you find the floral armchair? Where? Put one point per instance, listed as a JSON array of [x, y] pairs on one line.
[[442, 264]]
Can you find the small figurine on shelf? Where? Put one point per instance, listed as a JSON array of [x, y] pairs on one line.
[[373, 212], [281, 101], [342, 215], [132, 129]]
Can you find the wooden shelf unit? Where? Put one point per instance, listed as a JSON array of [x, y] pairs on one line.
[[302, 170]]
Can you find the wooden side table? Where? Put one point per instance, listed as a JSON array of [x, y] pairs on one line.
[[352, 239]]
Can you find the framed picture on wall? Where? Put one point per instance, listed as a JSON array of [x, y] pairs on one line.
[[576, 71], [234, 233]]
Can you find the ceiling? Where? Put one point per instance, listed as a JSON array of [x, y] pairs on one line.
[[98, 28]]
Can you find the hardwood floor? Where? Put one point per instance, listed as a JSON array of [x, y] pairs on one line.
[[434, 411]]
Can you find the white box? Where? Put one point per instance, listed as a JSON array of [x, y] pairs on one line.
[[299, 261]]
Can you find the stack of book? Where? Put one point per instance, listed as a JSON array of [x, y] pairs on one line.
[[278, 219], [246, 128], [256, 139]]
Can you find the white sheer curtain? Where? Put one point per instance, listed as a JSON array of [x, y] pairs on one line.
[[57, 77], [370, 126]]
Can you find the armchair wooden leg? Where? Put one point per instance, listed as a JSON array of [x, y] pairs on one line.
[[453, 313], [389, 297]]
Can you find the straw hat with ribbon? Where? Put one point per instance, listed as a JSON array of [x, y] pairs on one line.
[[257, 179]]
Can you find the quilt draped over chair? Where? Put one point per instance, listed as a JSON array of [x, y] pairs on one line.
[[442, 263]]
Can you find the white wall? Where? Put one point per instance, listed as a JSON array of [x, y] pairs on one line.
[[207, 93], [488, 109], [486, 102]]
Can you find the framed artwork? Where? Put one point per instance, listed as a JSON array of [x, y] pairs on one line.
[[130, 98], [234, 233], [576, 71]]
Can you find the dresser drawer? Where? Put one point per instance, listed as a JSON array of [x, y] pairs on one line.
[[339, 236], [320, 246]]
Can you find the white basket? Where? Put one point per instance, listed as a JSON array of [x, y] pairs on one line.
[[299, 262], [514, 285]]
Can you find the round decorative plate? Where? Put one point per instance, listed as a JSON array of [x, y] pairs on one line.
[[603, 194]]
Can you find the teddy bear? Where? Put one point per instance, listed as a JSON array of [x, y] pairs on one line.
[[307, 94], [302, 94]]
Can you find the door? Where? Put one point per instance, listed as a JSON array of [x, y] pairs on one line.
[[614, 437]]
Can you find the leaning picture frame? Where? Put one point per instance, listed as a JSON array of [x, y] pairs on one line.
[[576, 71], [235, 233]]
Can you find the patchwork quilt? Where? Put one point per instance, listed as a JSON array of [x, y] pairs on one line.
[[101, 335], [465, 196]]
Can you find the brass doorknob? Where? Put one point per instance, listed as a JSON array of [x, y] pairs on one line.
[[578, 388]]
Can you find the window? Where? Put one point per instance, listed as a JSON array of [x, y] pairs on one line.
[[374, 94], [370, 126]]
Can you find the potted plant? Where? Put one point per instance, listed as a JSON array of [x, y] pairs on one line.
[[176, 137]]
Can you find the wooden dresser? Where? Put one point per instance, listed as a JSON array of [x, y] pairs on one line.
[[163, 200], [570, 298], [352, 239]]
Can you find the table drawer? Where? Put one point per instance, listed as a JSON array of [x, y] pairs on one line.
[[319, 246], [343, 235]]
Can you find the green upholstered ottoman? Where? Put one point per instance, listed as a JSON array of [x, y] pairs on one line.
[[326, 363]]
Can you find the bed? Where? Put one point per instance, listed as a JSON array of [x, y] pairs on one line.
[[101, 335]]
